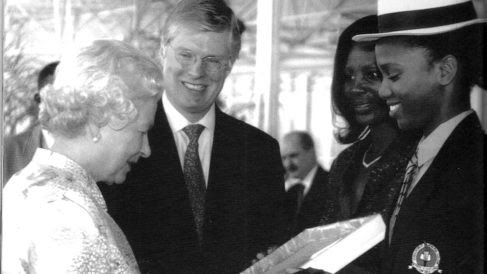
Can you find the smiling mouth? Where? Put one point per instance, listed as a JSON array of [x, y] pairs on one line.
[[393, 109], [194, 86]]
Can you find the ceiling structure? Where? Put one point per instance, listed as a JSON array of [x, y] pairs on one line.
[[308, 29]]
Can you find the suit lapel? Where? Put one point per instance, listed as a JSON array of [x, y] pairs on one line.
[[225, 178], [163, 144], [318, 187], [226, 195]]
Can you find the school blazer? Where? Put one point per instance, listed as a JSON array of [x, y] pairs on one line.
[[445, 209]]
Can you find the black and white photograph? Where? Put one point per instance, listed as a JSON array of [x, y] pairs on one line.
[[243, 136]]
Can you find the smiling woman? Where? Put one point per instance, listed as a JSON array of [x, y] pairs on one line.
[[98, 111]]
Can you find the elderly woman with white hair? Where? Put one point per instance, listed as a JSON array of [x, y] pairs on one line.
[[98, 111]]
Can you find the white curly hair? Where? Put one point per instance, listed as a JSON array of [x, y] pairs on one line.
[[95, 84]]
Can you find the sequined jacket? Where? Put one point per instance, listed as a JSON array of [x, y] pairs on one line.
[[55, 221], [383, 182]]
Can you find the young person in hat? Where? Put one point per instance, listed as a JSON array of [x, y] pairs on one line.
[[430, 55]]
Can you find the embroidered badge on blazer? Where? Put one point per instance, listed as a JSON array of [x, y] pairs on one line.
[[426, 259]]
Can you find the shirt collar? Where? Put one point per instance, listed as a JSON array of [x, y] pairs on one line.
[[429, 147], [177, 121]]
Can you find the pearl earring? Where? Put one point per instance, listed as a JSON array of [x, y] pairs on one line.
[[96, 138]]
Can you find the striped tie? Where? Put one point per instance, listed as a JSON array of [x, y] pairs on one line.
[[193, 176], [411, 172]]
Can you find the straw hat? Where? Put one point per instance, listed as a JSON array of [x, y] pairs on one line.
[[421, 17]]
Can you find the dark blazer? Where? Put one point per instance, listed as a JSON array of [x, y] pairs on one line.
[[244, 211], [312, 206], [445, 208], [19, 150]]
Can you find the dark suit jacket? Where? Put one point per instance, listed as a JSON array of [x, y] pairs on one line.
[[445, 208], [19, 150], [313, 203], [244, 211]]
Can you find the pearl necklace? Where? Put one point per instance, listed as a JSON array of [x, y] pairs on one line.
[[367, 165]]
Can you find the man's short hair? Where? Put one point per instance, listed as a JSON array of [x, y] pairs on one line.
[[205, 15], [305, 139]]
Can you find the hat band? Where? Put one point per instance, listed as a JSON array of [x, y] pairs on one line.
[[427, 18]]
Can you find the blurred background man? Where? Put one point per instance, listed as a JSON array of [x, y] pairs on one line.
[[306, 181], [20, 148]]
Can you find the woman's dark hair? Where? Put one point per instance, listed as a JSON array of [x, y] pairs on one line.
[[350, 132]]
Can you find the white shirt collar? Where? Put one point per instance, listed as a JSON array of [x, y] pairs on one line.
[[429, 147], [177, 121], [306, 181]]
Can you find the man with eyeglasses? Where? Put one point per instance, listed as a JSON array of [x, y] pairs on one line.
[[179, 220]]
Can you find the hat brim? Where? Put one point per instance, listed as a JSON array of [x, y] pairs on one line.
[[416, 32]]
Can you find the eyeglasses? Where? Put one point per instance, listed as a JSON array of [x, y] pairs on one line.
[[211, 64]]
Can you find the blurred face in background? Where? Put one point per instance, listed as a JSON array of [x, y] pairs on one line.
[[296, 161], [362, 82], [195, 65]]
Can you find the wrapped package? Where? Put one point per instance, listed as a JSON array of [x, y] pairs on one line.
[[329, 247]]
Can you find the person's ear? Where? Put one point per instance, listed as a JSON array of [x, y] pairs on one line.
[[448, 69], [116, 123]]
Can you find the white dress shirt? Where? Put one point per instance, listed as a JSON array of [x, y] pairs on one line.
[[307, 181], [429, 147], [177, 122]]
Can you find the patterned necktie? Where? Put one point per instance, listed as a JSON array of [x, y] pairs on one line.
[[411, 172], [193, 176]]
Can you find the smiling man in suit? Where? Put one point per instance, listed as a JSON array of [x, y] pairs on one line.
[[430, 56], [211, 195], [307, 184]]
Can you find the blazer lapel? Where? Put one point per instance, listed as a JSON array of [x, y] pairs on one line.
[[429, 183]]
